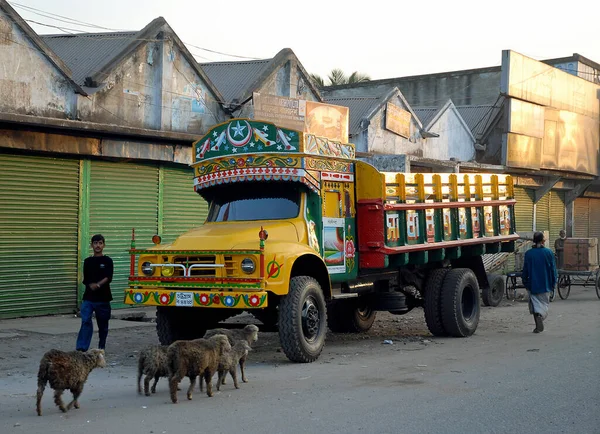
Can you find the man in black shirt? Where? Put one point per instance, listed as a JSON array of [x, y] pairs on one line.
[[97, 275]]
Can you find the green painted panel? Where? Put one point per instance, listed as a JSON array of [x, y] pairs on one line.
[[39, 205], [557, 216], [122, 196], [581, 225], [542, 213], [183, 208], [523, 209]]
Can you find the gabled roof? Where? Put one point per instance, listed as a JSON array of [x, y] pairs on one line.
[[431, 115], [95, 55], [40, 45], [87, 53], [479, 117], [237, 80], [365, 107]]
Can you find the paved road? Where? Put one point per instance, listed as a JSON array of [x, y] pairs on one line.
[[504, 379]]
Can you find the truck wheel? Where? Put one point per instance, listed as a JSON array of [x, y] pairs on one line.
[[167, 328], [493, 294], [433, 302], [460, 302], [303, 320], [350, 316]]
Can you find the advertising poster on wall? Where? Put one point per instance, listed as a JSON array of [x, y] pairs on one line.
[[333, 245]]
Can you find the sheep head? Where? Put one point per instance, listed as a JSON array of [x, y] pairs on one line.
[[251, 331], [98, 357]]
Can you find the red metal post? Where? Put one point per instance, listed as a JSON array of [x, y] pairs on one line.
[[132, 260], [263, 236]]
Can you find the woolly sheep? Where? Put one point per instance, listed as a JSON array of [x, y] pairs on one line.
[[152, 363], [249, 334], [194, 358], [66, 370]]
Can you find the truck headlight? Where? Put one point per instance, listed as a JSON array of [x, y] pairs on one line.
[[248, 265], [147, 269], [167, 271]]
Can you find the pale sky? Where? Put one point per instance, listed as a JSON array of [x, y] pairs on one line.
[[381, 38]]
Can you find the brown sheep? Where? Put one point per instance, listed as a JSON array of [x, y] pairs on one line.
[[229, 361], [66, 370], [248, 334], [152, 362], [194, 358]]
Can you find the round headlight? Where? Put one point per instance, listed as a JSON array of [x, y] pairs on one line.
[[147, 269], [168, 271], [248, 265]]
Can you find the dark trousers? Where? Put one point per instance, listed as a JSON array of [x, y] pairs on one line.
[[102, 310]]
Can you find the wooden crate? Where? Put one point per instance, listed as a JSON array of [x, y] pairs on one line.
[[581, 254]]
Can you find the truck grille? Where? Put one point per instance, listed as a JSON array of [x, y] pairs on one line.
[[186, 261]]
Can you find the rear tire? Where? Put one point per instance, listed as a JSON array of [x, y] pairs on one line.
[[303, 320], [564, 287], [354, 315], [493, 294], [433, 302], [460, 302]]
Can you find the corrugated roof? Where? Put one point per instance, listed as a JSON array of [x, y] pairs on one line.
[[86, 53], [478, 117], [233, 78], [426, 114], [359, 107]]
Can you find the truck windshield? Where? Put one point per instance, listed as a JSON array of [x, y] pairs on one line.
[[254, 201]]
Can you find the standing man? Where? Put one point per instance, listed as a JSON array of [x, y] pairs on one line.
[[97, 275], [559, 249], [539, 277]]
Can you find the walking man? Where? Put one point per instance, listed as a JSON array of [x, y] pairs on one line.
[[539, 277], [97, 275]]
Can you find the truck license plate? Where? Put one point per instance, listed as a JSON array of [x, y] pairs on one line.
[[184, 299]]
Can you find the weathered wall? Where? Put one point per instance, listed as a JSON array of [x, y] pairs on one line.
[[454, 140], [29, 83], [378, 140]]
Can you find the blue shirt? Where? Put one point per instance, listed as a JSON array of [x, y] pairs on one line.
[[539, 270]]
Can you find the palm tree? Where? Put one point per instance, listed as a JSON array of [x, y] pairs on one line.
[[337, 77]]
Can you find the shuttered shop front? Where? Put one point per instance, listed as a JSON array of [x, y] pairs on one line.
[[39, 206], [183, 208], [557, 216], [524, 209], [123, 196], [587, 218]]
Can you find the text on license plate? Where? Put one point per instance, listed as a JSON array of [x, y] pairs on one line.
[[184, 299]]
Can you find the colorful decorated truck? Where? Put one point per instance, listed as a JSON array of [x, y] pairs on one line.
[[305, 236]]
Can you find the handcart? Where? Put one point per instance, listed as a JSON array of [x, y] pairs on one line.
[[568, 278]]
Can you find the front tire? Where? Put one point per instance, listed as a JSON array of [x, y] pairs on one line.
[[460, 302], [303, 320], [493, 294], [564, 287]]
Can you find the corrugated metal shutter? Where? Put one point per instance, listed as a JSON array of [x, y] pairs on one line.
[[524, 209], [594, 219], [557, 216], [542, 213], [183, 208], [123, 196], [581, 218], [39, 206]]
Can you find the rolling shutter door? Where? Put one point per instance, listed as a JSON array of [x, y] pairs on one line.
[[523, 209], [557, 216], [39, 212], [123, 196], [582, 218], [594, 231], [183, 208], [542, 214]]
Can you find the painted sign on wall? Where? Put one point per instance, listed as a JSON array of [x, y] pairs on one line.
[[397, 120]]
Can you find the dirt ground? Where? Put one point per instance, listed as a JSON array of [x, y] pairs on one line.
[[21, 353]]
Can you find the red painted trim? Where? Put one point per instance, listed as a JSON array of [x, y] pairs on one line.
[[438, 205], [195, 279], [444, 244]]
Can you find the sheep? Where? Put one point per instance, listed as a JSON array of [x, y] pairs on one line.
[[152, 362], [248, 334], [193, 358], [66, 370], [229, 361]]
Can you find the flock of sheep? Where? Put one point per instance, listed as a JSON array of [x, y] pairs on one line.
[[219, 351]]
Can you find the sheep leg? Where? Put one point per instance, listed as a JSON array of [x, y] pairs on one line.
[[76, 393], [173, 383], [147, 379], [139, 380], [201, 383], [242, 365], [58, 400], [156, 377], [192, 385], [233, 372], [208, 374], [220, 378], [40, 393]]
